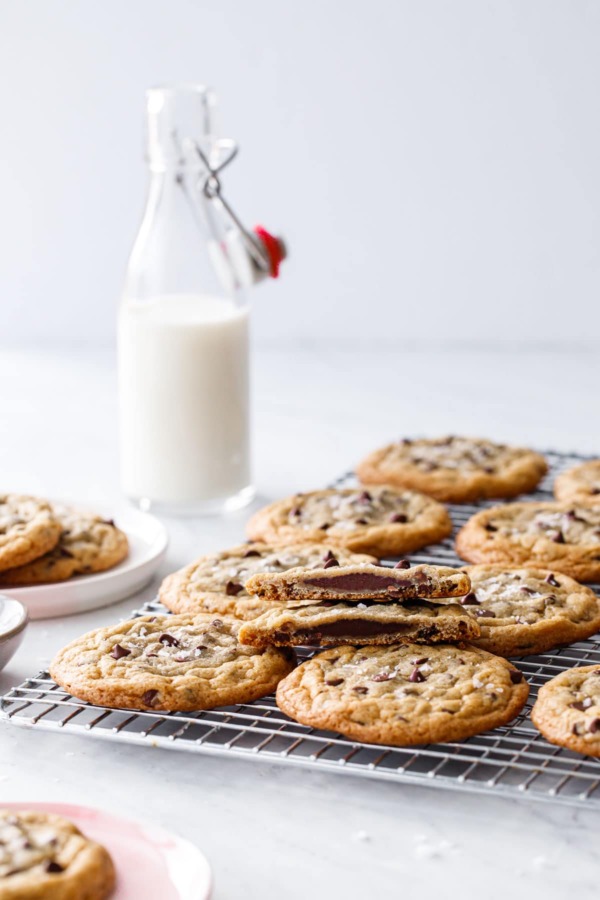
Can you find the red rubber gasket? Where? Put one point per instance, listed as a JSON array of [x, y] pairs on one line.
[[272, 247]]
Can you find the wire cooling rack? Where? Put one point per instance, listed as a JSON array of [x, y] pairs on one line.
[[512, 761]]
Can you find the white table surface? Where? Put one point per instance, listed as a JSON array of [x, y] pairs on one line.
[[269, 831]]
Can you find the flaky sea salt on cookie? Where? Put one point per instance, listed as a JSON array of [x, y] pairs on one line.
[[455, 469], [524, 611], [45, 857], [382, 521], [176, 663], [567, 710], [216, 581], [404, 695], [581, 483], [87, 544], [557, 536], [28, 529]]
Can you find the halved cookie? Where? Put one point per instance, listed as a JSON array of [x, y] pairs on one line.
[[215, 582], [360, 582], [369, 622]]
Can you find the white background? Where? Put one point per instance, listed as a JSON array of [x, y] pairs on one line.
[[434, 166]]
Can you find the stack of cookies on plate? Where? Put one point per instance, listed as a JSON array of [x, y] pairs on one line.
[[45, 543]]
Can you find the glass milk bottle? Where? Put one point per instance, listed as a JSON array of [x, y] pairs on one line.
[[183, 327]]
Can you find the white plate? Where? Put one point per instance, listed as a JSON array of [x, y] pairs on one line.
[[148, 542], [151, 863]]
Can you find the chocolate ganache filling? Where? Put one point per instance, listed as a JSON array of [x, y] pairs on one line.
[[361, 581]]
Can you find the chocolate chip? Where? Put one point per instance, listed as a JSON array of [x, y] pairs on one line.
[[333, 682], [577, 728], [324, 527], [469, 599], [382, 676], [402, 564], [595, 491], [119, 652], [484, 613], [233, 588], [488, 469], [359, 689], [406, 442], [419, 662], [169, 640], [550, 579], [216, 623], [331, 563], [489, 527], [571, 514], [416, 675], [329, 555], [365, 497], [516, 676], [361, 522], [580, 705], [398, 518], [296, 511], [558, 538], [201, 647], [527, 590], [54, 867], [66, 553], [594, 726], [251, 553], [149, 697], [109, 522]]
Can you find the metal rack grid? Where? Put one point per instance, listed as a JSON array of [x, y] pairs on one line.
[[512, 761]]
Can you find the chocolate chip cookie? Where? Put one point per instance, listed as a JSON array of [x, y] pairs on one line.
[[404, 695], [560, 537], [87, 544], [335, 623], [382, 521], [28, 529], [567, 710], [455, 469], [582, 483], [215, 582], [178, 663], [360, 582], [525, 611], [45, 857]]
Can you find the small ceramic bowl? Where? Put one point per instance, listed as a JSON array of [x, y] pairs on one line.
[[13, 620]]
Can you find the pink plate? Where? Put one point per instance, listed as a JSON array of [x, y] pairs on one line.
[[151, 863]]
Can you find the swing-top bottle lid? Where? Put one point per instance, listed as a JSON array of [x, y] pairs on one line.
[[174, 115]]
